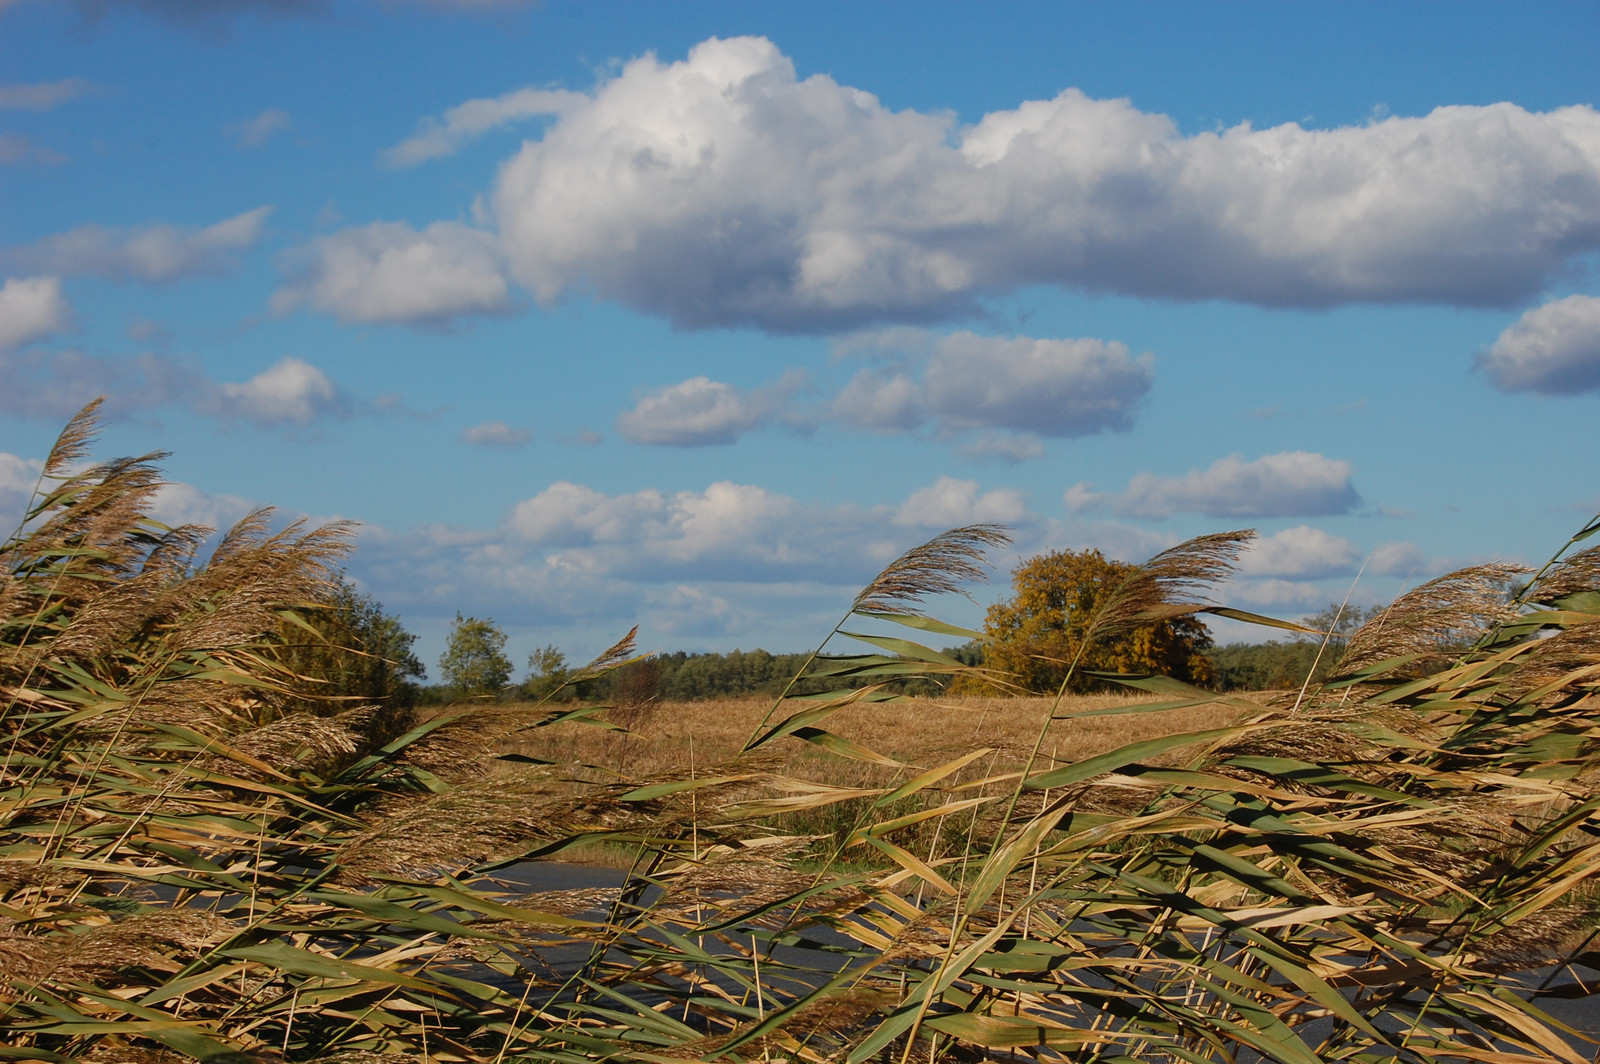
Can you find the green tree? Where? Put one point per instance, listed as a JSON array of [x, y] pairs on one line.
[[1036, 634], [362, 656], [548, 673], [474, 660]]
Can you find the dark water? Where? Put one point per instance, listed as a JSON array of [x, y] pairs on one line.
[[1565, 998]]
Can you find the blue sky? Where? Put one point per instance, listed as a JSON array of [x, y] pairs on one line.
[[693, 315]]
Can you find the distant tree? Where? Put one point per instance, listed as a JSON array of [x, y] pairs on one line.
[[548, 672], [1275, 666], [1035, 634], [474, 660]]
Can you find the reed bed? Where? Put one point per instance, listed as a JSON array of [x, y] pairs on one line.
[[201, 857]]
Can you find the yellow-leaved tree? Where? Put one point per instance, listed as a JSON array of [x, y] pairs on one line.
[[1037, 632]]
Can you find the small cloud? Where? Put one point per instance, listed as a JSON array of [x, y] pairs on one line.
[[43, 95], [1551, 350], [583, 438], [18, 478], [32, 308], [152, 253], [948, 503], [184, 504], [1008, 448], [292, 391], [15, 148], [495, 434], [253, 132], [438, 137], [1397, 559], [1305, 552], [1040, 387], [1290, 484], [388, 272], [1082, 498], [701, 412], [145, 331]]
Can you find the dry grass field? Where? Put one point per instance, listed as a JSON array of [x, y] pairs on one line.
[[668, 738], [922, 732]]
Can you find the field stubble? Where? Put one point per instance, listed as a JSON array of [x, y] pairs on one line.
[[661, 738]]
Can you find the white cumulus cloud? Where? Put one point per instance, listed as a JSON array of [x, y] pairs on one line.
[[700, 412], [495, 434], [32, 308], [292, 391], [963, 381], [1551, 350], [1399, 559], [725, 190], [1290, 484], [184, 504], [388, 272], [1302, 551], [151, 253], [950, 503]]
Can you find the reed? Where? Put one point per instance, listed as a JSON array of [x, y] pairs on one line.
[[201, 857]]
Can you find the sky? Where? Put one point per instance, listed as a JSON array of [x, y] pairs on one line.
[[694, 315]]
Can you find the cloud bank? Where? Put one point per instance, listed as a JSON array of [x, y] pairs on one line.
[[723, 190]]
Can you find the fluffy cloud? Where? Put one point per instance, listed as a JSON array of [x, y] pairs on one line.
[[31, 308], [184, 504], [495, 434], [43, 95], [438, 137], [390, 273], [1290, 484], [1552, 350], [949, 503], [253, 132], [1303, 551], [723, 190], [700, 412], [290, 392], [1056, 388], [1399, 559], [151, 253]]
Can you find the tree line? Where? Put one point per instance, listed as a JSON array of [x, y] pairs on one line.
[[1032, 637]]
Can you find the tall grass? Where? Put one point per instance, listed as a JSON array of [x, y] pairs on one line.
[[200, 858]]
